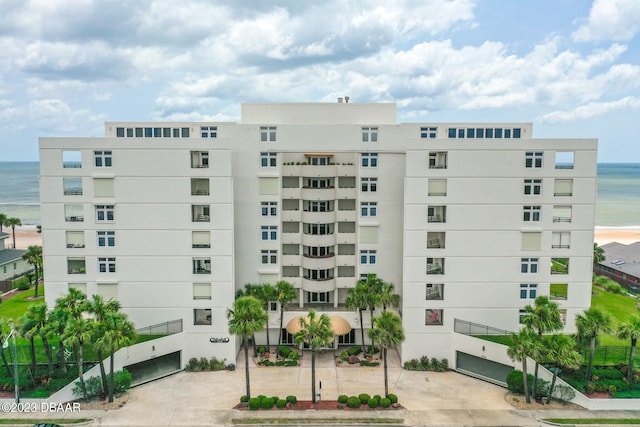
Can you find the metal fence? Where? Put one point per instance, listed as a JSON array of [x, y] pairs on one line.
[[469, 328], [612, 354], [166, 328]]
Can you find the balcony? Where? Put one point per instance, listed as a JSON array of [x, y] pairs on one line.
[[319, 239], [290, 260], [199, 192], [75, 218], [322, 171], [312, 193], [318, 263], [290, 238], [201, 218], [561, 219], [75, 245], [319, 217], [291, 215], [73, 192], [319, 285], [346, 193], [346, 238], [201, 245], [291, 193]]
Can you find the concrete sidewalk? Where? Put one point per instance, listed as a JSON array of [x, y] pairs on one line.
[[430, 399]]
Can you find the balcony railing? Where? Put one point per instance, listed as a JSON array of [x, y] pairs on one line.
[[329, 255], [73, 192], [323, 279], [200, 270], [438, 166], [565, 193], [436, 218], [560, 246], [75, 245], [561, 219], [558, 295], [72, 165], [199, 192], [201, 218], [201, 245], [435, 269], [76, 270], [78, 218]]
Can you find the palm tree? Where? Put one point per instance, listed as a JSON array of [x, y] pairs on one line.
[[561, 352], [118, 333], [387, 331], [3, 218], [33, 256], [267, 293], [598, 254], [357, 300], [251, 289], [34, 323], [286, 294], [5, 330], [100, 309], [79, 331], [12, 222], [524, 344], [316, 332], [630, 330], [589, 324], [246, 318], [544, 317], [28, 328], [387, 296]]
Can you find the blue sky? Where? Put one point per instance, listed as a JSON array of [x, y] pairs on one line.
[[572, 67]]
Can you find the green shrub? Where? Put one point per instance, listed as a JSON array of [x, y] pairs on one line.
[[216, 365], [275, 399], [385, 402], [284, 351], [373, 403], [192, 365], [291, 363], [262, 349], [293, 355], [353, 402], [354, 350], [632, 394], [262, 396], [121, 381], [267, 403], [377, 396], [515, 383], [611, 374], [344, 355], [244, 399], [291, 399], [254, 403], [563, 392], [614, 288], [392, 398], [281, 404], [343, 398], [364, 398]]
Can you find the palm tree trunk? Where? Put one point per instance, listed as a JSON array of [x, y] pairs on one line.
[[553, 384], [266, 329], [631, 357], [13, 231], [255, 348], [592, 350], [246, 363], [111, 385], [61, 362], [280, 331], [32, 352], [535, 381], [313, 376], [5, 363], [525, 380], [47, 351], [80, 371], [103, 374], [35, 267], [386, 378], [362, 330], [371, 322]]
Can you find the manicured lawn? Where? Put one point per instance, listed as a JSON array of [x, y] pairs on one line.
[[620, 307], [13, 308]]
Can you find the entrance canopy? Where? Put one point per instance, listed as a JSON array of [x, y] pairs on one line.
[[339, 325]]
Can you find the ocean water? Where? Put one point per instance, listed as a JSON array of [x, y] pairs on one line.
[[618, 202]]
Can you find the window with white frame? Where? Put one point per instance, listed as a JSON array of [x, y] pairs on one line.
[[267, 133], [269, 232], [268, 160], [106, 265], [529, 265], [528, 290], [532, 187], [269, 208], [369, 160], [269, 256], [369, 134], [209, 131], [368, 256], [531, 213], [368, 209], [105, 213], [369, 185], [428, 132], [106, 238], [102, 159], [533, 159]]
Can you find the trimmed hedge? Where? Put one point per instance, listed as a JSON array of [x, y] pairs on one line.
[[254, 403], [267, 403], [353, 402], [385, 402], [392, 398], [291, 399], [373, 403], [364, 398], [281, 404], [343, 398]]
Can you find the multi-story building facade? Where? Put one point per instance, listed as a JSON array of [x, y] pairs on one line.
[[469, 221]]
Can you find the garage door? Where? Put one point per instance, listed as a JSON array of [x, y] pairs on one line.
[[484, 369]]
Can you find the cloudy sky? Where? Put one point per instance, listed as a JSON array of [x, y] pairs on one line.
[[572, 67]]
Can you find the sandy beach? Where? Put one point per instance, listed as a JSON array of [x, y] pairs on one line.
[[25, 236]]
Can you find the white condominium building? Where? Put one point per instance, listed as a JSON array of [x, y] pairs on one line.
[[470, 221]]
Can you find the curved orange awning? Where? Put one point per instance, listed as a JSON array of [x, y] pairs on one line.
[[339, 325]]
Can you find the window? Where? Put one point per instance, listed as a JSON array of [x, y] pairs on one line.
[[318, 229], [498, 133], [435, 239], [433, 317], [489, 133], [561, 240], [318, 251], [267, 133], [318, 183], [73, 213], [531, 213], [516, 132], [269, 232], [532, 186], [72, 186], [201, 239], [369, 134], [201, 265], [522, 315], [202, 291], [103, 187], [120, 132], [200, 213], [564, 159], [369, 160], [437, 214], [318, 275], [269, 208], [319, 160], [105, 213], [102, 159], [106, 265], [268, 160], [435, 265], [369, 185], [562, 214], [480, 133], [531, 240], [558, 291], [471, 133], [507, 133], [434, 291], [202, 316], [533, 159], [209, 131], [563, 187], [368, 256], [199, 159], [200, 186], [529, 265], [75, 239], [528, 290], [559, 265], [452, 132], [318, 297], [269, 256], [106, 238], [368, 209], [437, 160], [72, 159], [348, 338], [318, 206], [76, 266], [428, 132], [437, 187]]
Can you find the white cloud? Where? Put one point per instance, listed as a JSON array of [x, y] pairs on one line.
[[611, 20], [590, 110]]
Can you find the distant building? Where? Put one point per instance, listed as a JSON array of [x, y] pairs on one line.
[[470, 221], [11, 264], [622, 264]]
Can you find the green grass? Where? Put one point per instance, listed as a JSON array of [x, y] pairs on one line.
[[13, 308], [620, 307], [607, 421]]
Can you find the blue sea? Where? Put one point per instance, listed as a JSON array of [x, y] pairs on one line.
[[618, 203]]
